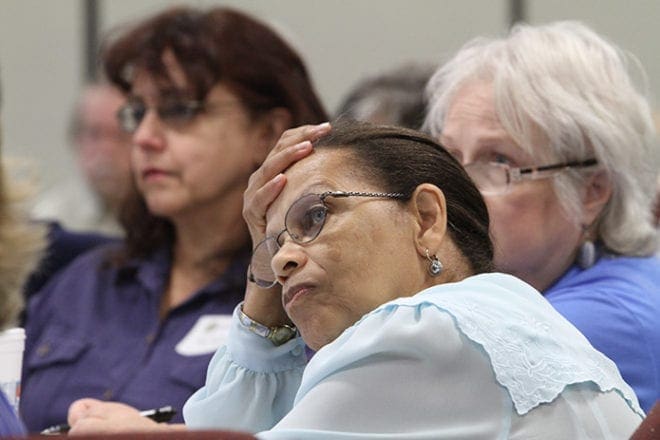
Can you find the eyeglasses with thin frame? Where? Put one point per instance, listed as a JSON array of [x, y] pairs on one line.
[[494, 178], [173, 112], [303, 222]]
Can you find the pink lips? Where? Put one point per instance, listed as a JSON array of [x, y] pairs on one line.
[[153, 173], [294, 292]]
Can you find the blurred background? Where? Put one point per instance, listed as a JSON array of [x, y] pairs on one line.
[[48, 48]]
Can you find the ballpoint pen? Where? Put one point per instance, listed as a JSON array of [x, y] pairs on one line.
[[159, 415]]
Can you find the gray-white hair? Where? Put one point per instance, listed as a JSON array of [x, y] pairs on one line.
[[576, 90]]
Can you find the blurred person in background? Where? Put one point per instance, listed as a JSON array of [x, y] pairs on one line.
[[395, 97], [208, 92], [551, 127], [21, 244], [102, 154], [82, 213]]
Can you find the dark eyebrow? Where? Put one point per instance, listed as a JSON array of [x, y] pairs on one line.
[[167, 94], [174, 94], [132, 97]]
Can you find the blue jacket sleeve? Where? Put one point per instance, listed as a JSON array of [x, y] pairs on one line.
[[10, 425]]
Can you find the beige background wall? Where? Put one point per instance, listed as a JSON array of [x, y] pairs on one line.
[[41, 64]]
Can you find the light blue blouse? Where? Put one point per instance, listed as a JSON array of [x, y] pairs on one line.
[[487, 357]]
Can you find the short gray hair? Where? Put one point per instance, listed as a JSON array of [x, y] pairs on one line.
[[393, 97], [567, 83]]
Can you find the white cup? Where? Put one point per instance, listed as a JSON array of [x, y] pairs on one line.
[[12, 344]]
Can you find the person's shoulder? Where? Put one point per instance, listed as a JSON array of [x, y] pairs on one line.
[[616, 300], [73, 288], [631, 269], [450, 308], [614, 279], [494, 320], [403, 322], [649, 265], [494, 292], [66, 248], [74, 259], [416, 331], [67, 244]]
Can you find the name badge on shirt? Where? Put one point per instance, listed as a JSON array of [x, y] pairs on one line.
[[206, 336]]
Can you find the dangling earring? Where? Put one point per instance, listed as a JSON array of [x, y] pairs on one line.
[[435, 266], [586, 256]]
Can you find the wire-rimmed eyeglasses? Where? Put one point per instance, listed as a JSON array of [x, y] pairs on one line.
[[494, 178], [303, 222]]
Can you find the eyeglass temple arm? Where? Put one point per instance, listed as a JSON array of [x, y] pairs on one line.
[[361, 194], [574, 164]]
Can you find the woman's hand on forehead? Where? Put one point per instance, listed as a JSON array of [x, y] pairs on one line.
[[268, 180], [265, 185]]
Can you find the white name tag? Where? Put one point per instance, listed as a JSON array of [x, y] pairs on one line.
[[206, 336]]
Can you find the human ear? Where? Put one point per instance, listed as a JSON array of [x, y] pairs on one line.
[[269, 129], [429, 210], [595, 195]]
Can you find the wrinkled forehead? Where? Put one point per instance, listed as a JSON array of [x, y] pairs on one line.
[[326, 169]]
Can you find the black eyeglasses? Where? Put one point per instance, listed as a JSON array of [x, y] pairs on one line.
[[494, 178], [303, 222]]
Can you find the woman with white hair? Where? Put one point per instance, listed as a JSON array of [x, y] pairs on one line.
[[551, 127]]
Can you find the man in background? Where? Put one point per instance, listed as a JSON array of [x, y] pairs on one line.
[[393, 97], [90, 201]]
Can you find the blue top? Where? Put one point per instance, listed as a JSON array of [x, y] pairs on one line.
[[9, 423], [616, 305], [483, 358], [63, 247], [95, 330]]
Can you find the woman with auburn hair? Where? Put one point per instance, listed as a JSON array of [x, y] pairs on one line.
[[209, 92]]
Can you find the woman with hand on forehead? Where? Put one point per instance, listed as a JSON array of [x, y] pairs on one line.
[[209, 94], [373, 249]]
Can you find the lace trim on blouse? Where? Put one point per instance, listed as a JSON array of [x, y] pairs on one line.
[[534, 354]]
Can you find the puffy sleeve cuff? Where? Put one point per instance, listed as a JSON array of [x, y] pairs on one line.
[[250, 383]]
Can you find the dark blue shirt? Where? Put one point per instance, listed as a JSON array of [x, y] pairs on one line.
[[616, 305], [9, 423], [95, 331], [63, 247]]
